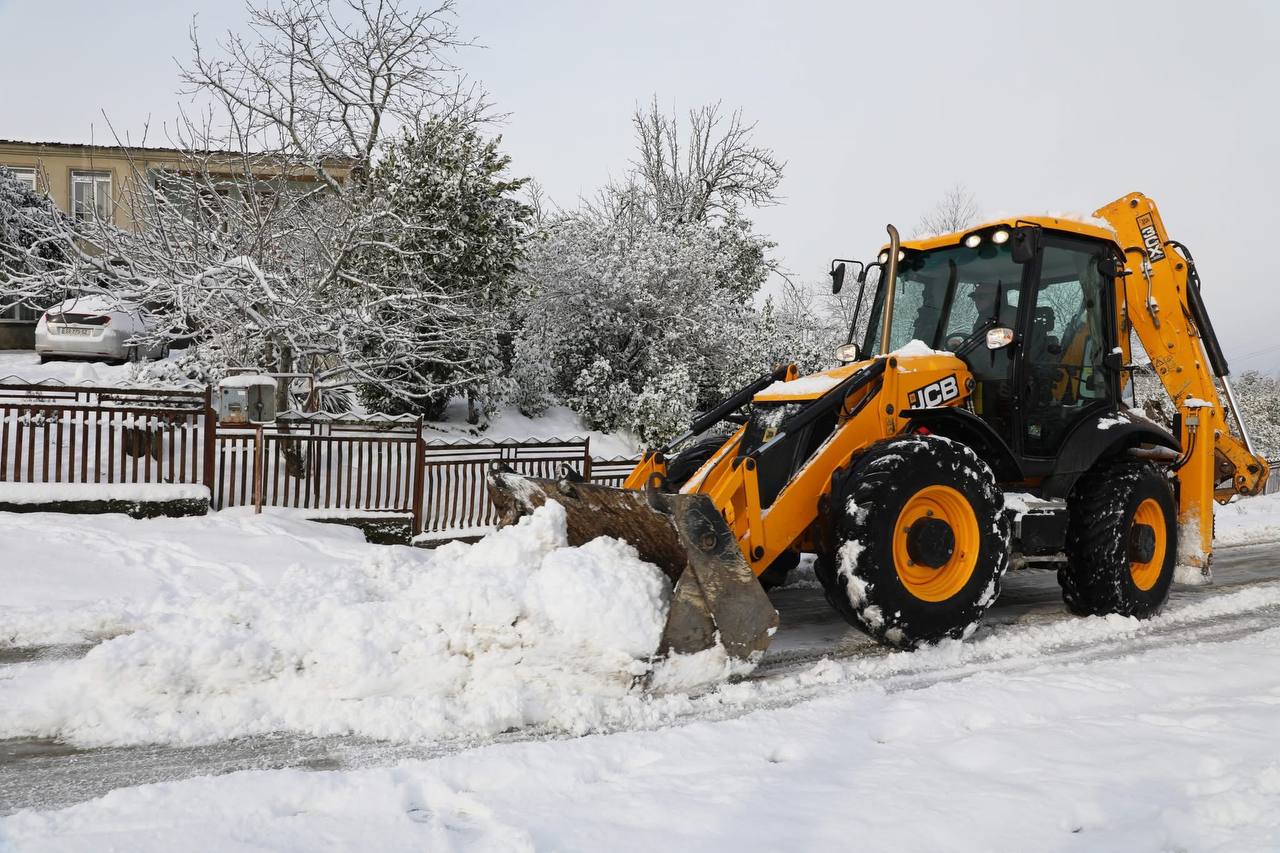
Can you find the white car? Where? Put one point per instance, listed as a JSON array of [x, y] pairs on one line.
[[94, 327]]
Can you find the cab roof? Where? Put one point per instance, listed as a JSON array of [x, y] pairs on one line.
[[1098, 229]]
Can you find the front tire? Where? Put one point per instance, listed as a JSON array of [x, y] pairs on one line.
[[919, 541], [1122, 542]]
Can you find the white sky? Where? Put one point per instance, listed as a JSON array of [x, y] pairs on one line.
[[878, 107]]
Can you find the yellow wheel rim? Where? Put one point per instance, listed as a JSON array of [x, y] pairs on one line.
[[1145, 574], [926, 582]]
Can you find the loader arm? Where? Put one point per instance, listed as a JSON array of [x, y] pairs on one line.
[[871, 400], [1158, 298]]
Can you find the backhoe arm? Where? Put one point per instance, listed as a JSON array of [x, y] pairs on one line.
[[1159, 299]]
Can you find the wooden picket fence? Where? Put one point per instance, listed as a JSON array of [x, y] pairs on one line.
[[325, 464], [455, 497], [321, 462], [53, 433]]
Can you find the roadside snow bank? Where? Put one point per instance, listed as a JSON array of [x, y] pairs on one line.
[[1248, 521], [515, 630]]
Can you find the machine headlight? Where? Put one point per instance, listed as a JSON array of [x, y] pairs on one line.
[[884, 258], [1001, 236], [972, 241]]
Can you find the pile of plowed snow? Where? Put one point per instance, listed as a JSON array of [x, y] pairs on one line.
[[516, 630], [1248, 521]]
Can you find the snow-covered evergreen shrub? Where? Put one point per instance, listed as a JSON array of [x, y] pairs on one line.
[[465, 228], [637, 325]]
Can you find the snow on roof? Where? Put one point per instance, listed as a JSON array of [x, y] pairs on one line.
[[94, 302], [159, 149], [246, 380], [1067, 215]]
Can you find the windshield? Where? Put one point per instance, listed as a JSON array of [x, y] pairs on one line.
[[946, 296]]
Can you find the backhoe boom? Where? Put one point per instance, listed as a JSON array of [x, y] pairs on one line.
[[1159, 300]]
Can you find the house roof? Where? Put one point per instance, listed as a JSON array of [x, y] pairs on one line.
[[142, 148]]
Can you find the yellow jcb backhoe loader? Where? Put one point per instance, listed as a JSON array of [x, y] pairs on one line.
[[994, 361]]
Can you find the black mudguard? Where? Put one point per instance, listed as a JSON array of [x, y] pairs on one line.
[[1101, 436], [967, 428]]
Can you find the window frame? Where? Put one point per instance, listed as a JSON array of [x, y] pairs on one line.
[[96, 176], [1035, 464]]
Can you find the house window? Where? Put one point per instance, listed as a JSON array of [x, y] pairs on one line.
[[91, 195], [27, 176]]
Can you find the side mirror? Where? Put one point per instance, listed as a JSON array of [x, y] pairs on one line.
[[839, 267], [837, 278], [846, 353], [1025, 243], [999, 338]]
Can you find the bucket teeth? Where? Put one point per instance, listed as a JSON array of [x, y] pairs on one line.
[[716, 599]]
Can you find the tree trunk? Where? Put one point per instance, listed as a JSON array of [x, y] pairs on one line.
[[473, 411]]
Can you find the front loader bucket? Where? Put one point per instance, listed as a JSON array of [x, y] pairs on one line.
[[716, 597]]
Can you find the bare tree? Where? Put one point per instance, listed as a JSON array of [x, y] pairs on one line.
[[712, 168], [317, 79], [957, 210]]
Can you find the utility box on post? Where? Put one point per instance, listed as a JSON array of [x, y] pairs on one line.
[[246, 399]]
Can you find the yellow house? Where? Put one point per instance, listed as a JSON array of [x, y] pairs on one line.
[[94, 181]]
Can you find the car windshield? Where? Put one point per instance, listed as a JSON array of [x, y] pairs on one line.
[[946, 296]]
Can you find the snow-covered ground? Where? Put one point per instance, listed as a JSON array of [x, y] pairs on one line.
[[1173, 749], [205, 629], [25, 365], [1246, 521]]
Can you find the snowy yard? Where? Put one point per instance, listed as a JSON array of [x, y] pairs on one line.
[[477, 668], [24, 365]]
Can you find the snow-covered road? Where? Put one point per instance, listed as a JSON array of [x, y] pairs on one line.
[[829, 739], [1026, 631]]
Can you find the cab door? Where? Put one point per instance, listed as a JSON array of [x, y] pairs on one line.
[[1069, 331]]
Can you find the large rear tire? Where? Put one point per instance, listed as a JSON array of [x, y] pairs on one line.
[[919, 541], [1122, 542]]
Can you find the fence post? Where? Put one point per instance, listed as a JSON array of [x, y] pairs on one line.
[[419, 478], [586, 460], [258, 469], [210, 445]]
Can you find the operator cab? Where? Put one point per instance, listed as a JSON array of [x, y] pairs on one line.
[[1027, 308]]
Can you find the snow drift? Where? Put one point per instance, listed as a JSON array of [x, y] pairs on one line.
[[471, 640]]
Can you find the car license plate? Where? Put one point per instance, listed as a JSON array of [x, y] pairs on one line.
[[84, 333]]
